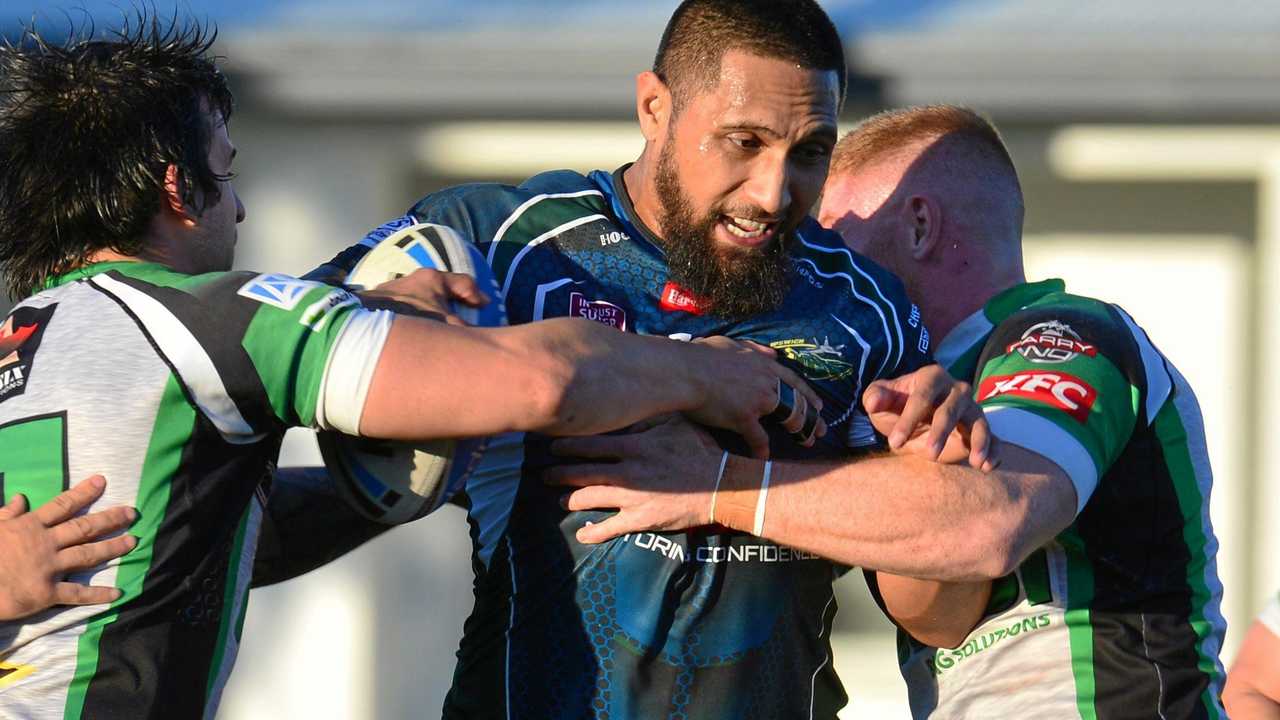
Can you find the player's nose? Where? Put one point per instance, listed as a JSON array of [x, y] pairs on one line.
[[770, 188]]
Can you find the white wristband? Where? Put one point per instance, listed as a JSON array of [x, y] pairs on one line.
[[724, 460], [758, 527]]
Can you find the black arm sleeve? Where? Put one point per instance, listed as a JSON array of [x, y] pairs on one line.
[[306, 524]]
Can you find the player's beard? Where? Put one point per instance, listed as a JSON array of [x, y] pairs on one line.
[[737, 283]]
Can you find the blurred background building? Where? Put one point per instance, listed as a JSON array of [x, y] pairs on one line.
[[1147, 134]]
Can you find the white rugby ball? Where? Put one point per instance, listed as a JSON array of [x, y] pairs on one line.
[[395, 482]]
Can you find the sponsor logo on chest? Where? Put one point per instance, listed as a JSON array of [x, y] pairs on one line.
[[677, 299], [1051, 342], [1060, 390], [605, 313], [19, 337]]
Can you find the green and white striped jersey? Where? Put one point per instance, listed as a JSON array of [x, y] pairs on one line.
[[178, 390], [1119, 616]]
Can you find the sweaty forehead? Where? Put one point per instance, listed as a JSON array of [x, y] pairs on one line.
[[773, 93]]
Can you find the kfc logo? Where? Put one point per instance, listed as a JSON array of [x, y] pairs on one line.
[[1051, 342], [605, 313], [1065, 392]]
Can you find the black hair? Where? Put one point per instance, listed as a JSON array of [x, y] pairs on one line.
[[88, 129], [700, 32]]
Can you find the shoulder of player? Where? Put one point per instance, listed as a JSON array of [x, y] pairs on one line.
[[1084, 323], [825, 252], [489, 211], [231, 292]]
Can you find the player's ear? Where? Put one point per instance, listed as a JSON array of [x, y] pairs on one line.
[[653, 105], [172, 201], [923, 218]]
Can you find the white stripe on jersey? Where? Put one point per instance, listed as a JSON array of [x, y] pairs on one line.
[[892, 308], [961, 339], [189, 359], [511, 271], [862, 373], [244, 574], [888, 338], [1044, 437], [511, 219], [1159, 384], [1188, 408]]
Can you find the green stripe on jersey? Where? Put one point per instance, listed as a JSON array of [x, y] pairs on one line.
[[232, 584], [532, 223], [1080, 590], [1177, 455], [294, 388], [173, 427]]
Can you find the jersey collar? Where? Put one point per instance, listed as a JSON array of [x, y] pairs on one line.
[[961, 346], [626, 211], [92, 269]]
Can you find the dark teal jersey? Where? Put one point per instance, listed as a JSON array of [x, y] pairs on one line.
[[700, 624]]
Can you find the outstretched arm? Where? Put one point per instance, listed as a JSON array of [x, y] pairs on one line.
[[306, 525], [902, 514], [563, 377]]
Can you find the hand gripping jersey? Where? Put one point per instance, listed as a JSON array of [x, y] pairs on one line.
[[700, 624], [1119, 616], [177, 389]]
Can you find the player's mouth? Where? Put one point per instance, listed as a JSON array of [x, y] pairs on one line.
[[747, 232]]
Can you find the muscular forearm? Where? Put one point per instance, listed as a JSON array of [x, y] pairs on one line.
[[564, 377], [616, 379], [936, 613], [908, 516]]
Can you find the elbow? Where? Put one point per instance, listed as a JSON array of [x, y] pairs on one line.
[[1001, 546]]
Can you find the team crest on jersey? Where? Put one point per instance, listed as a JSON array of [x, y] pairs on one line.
[[19, 338], [1052, 341], [277, 290], [600, 311], [820, 360]]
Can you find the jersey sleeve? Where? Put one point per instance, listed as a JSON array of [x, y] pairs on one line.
[[314, 347], [1064, 379], [471, 210]]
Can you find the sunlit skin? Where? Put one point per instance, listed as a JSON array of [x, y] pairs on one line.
[[945, 236], [194, 240], [753, 149]]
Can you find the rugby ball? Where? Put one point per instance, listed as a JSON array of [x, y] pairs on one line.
[[396, 482]]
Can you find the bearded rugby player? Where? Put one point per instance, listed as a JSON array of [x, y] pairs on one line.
[[705, 234], [137, 354]]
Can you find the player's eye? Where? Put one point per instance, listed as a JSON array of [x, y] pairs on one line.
[[746, 141], [812, 153]]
